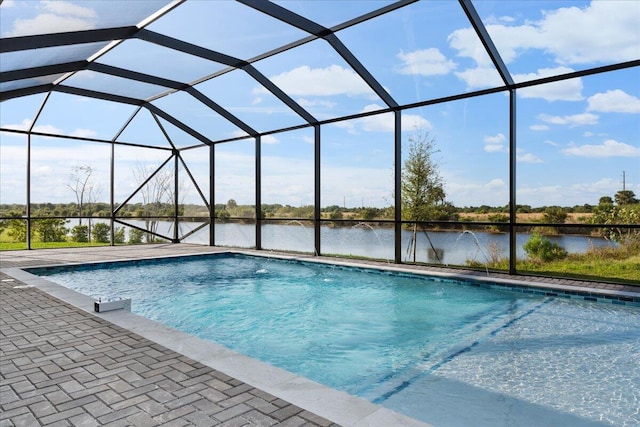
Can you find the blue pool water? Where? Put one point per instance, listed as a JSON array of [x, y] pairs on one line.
[[426, 347]]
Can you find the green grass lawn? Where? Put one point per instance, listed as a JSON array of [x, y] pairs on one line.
[[606, 270], [12, 246]]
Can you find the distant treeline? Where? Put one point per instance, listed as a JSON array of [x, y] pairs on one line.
[[233, 210]]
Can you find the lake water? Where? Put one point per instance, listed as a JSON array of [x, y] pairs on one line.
[[451, 247]]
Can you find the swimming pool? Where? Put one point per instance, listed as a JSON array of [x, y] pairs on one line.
[[423, 346]]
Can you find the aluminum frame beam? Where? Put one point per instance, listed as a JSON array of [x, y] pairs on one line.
[[13, 44], [46, 70]]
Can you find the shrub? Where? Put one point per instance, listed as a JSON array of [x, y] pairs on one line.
[[541, 248], [101, 232], [135, 235], [118, 236], [555, 215], [80, 233], [626, 214]]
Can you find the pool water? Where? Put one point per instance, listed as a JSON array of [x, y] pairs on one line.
[[443, 352]]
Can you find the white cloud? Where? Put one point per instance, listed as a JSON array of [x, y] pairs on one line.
[[378, 123], [425, 62], [42, 171], [58, 16], [306, 103], [566, 90], [495, 184], [610, 148], [495, 143], [289, 180], [480, 77], [50, 129], [466, 42], [603, 32], [238, 134], [66, 8], [269, 139], [384, 122], [50, 169], [494, 192], [568, 195], [527, 158], [613, 101], [497, 139], [572, 121], [494, 148], [84, 133], [330, 81], [411, 122], [539, 127], [23, 125]]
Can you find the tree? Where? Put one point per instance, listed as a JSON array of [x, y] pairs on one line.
[[16, 226], [555, 215], [86, 192], [422, 187], [369, 213], [156, 195], [605, 201], [80, 184], [626, 211], [232, 204], [51, 229], [626, 197]]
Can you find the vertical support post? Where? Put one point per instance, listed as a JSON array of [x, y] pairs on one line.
[[316, 199], [176, 197], [397, 189], [212, 195], [112, 238], [28, 207], [258, 208], [512, 183]]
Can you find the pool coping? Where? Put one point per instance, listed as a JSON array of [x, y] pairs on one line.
[[326, 402]]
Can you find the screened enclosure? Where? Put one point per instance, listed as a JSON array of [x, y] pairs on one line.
[[294, 125]]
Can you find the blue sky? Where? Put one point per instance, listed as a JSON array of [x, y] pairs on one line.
[[575, 138]]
